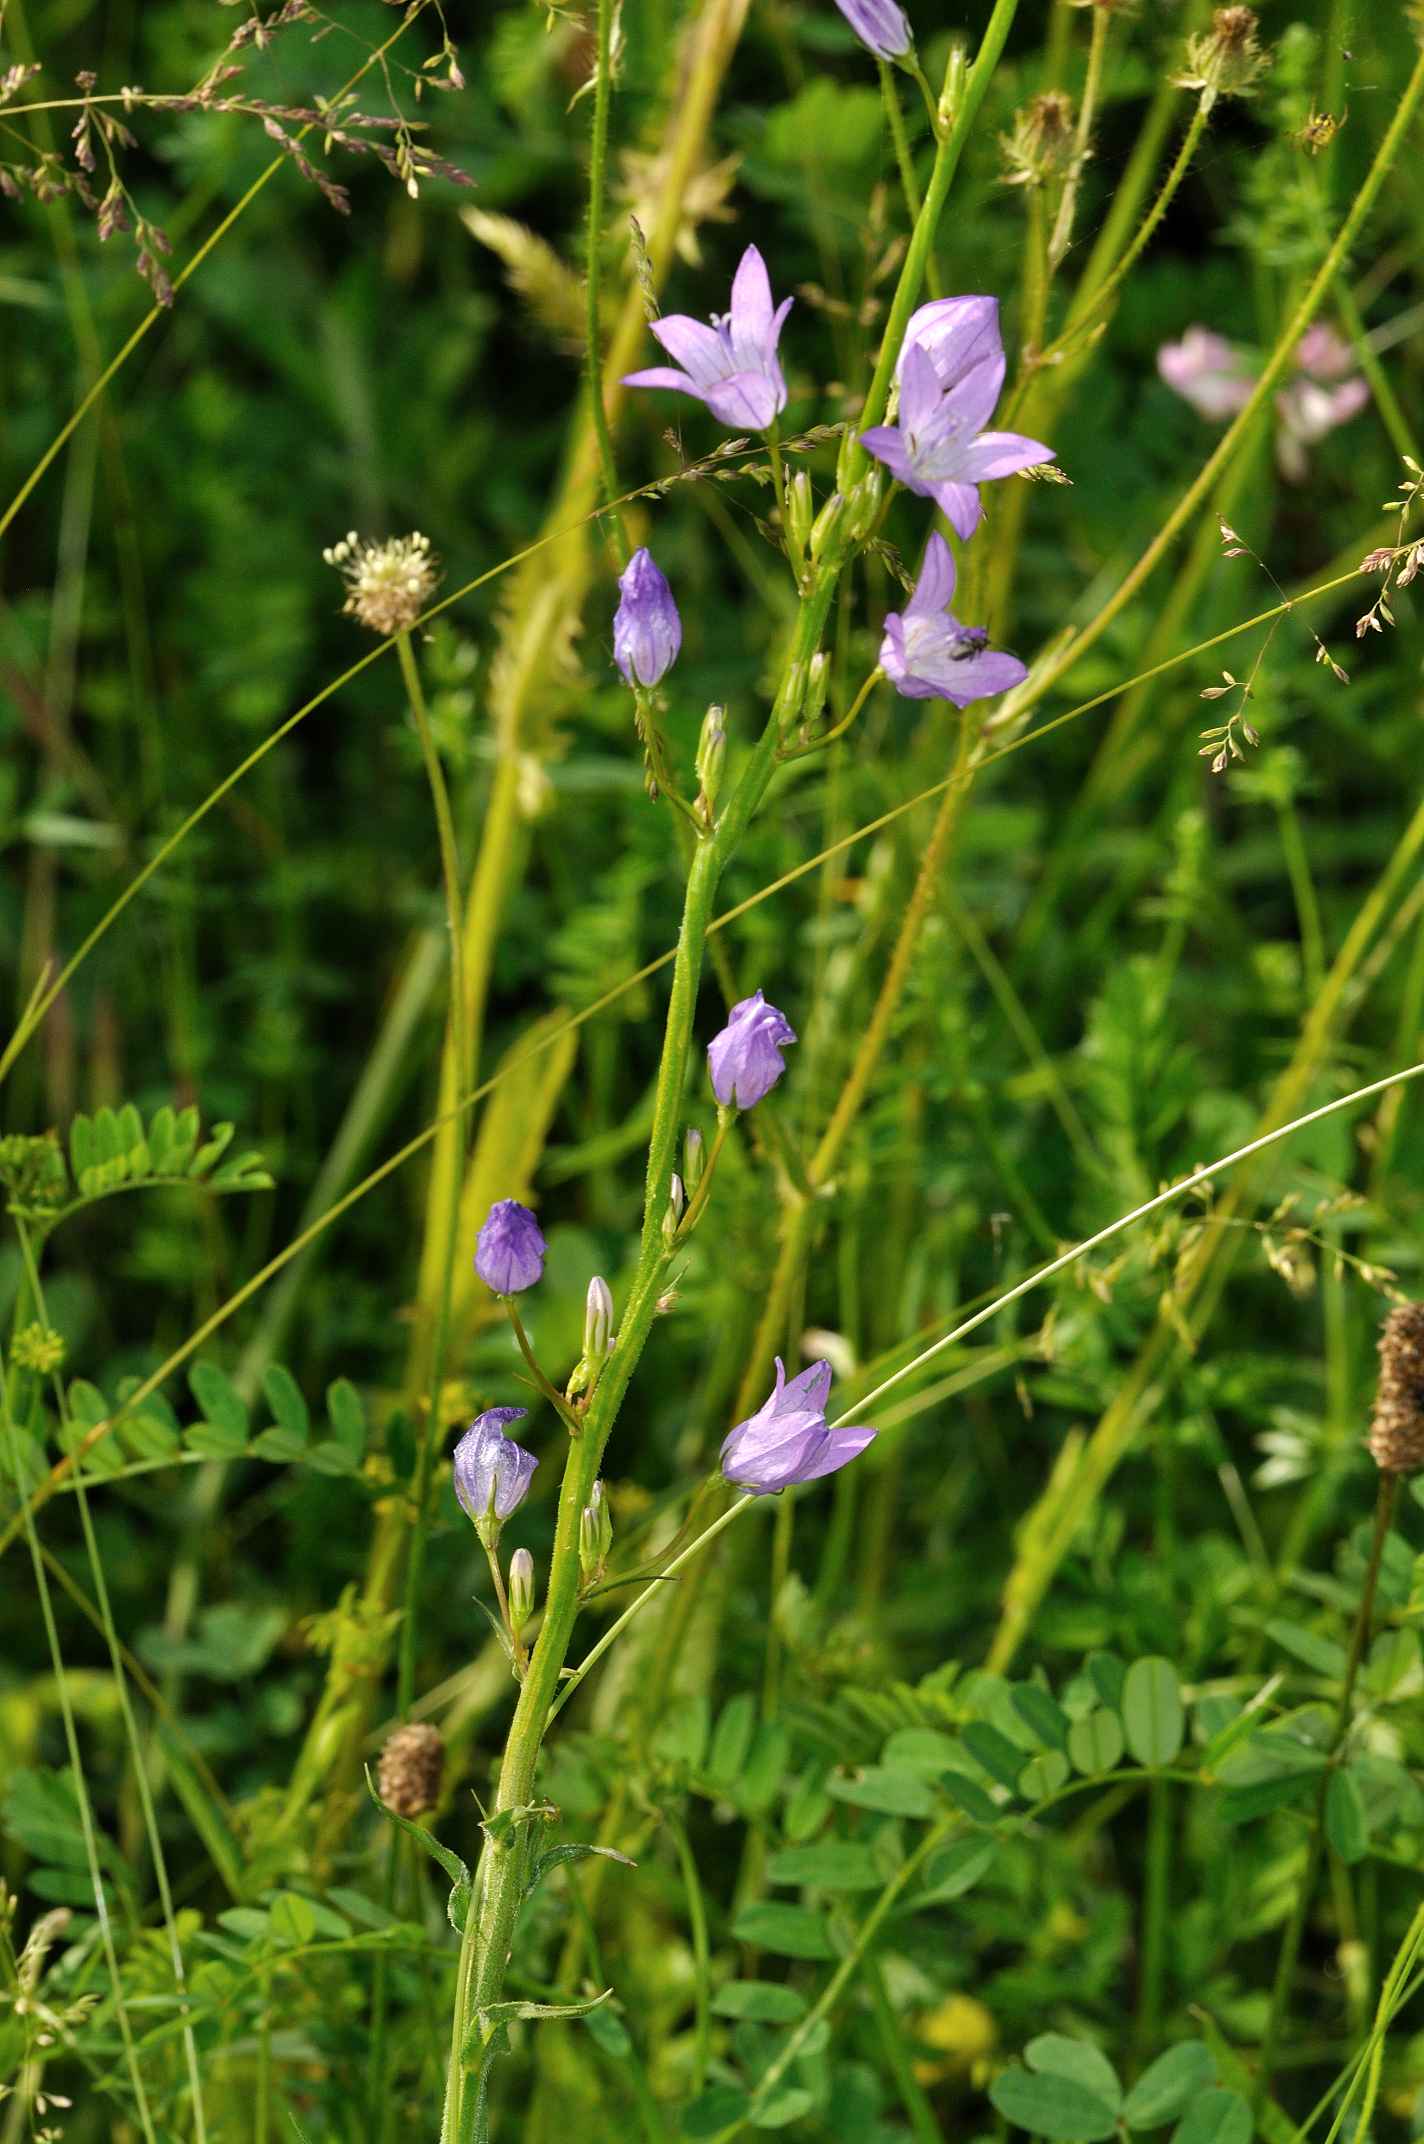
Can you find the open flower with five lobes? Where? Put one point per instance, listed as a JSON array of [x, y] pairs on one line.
[[787, 1441], [731, 364], [940, 448], [929, 655]]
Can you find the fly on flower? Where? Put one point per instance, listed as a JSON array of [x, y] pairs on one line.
[[928, 655]]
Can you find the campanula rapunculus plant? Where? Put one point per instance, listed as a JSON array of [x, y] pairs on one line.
[[509, 1250], [745, 1060], [491, 1472], [787, 1441], [730, 365], [940, 447], [929, 655], [880, 25], [647, 631]]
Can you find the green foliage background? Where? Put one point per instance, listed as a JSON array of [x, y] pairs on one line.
[[1128, 960]]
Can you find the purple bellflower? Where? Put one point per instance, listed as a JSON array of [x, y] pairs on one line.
[[492, 1472], [939, 448], [880, 25], [731, 365], [509, 1251], [929, 655], [787, 1441], [745, 1060], [958, 334], [647, 631]]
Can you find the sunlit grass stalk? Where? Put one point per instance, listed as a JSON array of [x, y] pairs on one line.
[[1062, 236], [1200, 1279]]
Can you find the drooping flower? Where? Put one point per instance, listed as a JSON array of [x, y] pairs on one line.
[[880, 25], [940, 448], [787, 1441], [510, 1248], [1207, 371], [647, 631], [1217, 376], [730, 365], [929, 655], [492, 1473], [745, 1060]]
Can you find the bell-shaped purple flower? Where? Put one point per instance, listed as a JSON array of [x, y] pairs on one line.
[[880, 25], [492, 1473], [929, 655], [509, 1251], [957, 334], [939, 448], [730, 365], [787, 1441], [745, 1060], [647, 631]]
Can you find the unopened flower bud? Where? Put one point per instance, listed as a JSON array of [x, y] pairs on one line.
[[711, 757], [800, 509], [647, 631], [408, 1776], [694, 1158], [828, 526], [1041, 146], [672, 1217], [597, 1320], [1225, 60], [595, 1535], [864, 504], [521, 1589], [881, 25], [1396, 1437], [817, 678]]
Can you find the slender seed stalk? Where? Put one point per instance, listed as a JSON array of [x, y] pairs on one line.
[[1062, 236]]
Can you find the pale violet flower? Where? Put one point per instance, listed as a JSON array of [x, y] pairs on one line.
[[1214, 375], [928, 655], [491, 1472], [940, 448], [647, 631], [731, 364], [787, 1440], [880, 25]]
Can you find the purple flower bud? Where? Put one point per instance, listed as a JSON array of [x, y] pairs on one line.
[[879, 24], [745, 1060], [509, 1252], [491, 1471], [787, 1441], [647, 631]]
